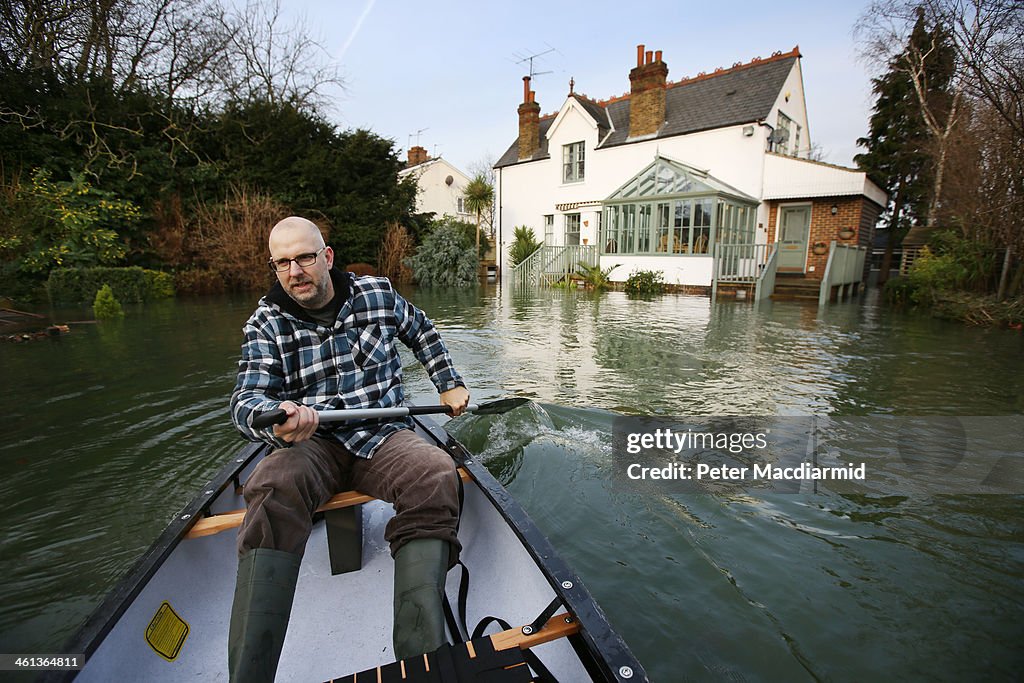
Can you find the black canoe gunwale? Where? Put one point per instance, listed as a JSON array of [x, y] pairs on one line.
[[602, 651], [103, 619]]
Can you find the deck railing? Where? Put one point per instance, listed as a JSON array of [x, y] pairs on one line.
[[741, 263], [845, 269], [766, 280], [548, 265]]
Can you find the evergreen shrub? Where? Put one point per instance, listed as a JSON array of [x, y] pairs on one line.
[[106, 306], [445, 259]]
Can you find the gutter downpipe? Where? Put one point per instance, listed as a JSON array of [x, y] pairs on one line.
[[499, 248]]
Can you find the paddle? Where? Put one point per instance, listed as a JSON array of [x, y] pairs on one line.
[[278, 416]]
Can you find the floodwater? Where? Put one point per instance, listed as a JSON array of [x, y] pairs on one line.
[[112, 428]]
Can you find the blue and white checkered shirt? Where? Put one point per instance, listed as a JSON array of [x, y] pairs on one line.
[[287, 356]]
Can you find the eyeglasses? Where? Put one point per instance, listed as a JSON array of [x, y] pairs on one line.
[[302, 260]]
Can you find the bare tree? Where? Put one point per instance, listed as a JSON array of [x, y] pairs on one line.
[[277, 62]]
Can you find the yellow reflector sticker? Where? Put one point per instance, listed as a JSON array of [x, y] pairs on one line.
[[166, 632]]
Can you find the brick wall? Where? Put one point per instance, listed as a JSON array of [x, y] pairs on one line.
[[856, 213]]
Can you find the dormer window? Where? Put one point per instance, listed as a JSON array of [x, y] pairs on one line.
[[787, 136], [572, 163]]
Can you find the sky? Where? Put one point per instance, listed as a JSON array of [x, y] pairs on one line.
[[448, 74]]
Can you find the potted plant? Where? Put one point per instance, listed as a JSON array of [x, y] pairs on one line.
[[819, 248], [846, 233]]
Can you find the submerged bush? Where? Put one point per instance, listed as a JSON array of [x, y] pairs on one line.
[[645, 282], [105, 306]]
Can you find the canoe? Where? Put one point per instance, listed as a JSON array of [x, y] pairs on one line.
[[167, 620]]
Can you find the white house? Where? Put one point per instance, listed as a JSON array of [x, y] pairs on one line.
[[441, 185], [659, 177]]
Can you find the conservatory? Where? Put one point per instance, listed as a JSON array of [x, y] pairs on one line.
[[671, 209]]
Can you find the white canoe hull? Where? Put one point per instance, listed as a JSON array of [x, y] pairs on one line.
[[340, 623]]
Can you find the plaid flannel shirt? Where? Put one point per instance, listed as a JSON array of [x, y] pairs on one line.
[[287, 356]]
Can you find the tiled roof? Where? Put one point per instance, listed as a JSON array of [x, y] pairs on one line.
[[742, 94]]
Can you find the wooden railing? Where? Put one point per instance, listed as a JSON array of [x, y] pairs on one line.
[[548, 265], [845, 269]]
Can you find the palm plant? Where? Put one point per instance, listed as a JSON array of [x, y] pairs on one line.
[[479, 196], [595, 277], [525, 244]]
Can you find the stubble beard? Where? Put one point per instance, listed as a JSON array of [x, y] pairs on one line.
[[313, 296]]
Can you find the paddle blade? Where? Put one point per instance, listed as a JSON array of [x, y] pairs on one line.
[[501, 406]]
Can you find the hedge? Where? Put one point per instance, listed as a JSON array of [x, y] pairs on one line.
[[69, 286]]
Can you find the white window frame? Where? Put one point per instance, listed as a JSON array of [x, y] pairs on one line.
[[570, 220], [549, 229], [574, 162]]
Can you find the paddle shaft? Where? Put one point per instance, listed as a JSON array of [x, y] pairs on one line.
[[278, 416]]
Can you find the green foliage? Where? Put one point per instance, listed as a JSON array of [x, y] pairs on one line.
[[950, 263], [73, 224], [149, 152], [106, 306], [68, 286], [595, 277], [898, 291], [301, 160], [524, 244], [479, 199], [645, 282], [445, 259], [468, 232]]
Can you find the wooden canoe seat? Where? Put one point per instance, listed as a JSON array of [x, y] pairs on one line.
[[342, 515], [214, 524]]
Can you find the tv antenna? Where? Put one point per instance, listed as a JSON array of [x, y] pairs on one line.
[[408, 143], [530, 58]]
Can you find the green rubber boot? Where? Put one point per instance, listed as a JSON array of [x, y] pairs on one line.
[[259, 615], [420, 569]]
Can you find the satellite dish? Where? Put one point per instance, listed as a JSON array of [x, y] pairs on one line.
[[449, 180]]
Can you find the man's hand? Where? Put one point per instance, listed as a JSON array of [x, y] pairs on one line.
[[301, 423], [457, 399]]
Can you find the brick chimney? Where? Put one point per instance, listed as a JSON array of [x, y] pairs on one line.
[[647, 93], [417, 155], [529, 122]]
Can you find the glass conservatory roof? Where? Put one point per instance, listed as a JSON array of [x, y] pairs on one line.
[[667, 177]]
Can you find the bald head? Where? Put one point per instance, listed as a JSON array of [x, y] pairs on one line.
[[308, 284], [296, 227]]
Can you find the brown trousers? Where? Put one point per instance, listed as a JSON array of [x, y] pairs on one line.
[[288, 485]]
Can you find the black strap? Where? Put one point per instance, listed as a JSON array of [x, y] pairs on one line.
[[543, 674], [457, 626], [548, 612]]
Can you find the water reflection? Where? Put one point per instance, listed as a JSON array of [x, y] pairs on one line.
[[113, 428]]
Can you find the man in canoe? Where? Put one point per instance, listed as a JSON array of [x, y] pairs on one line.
[[324, 339]]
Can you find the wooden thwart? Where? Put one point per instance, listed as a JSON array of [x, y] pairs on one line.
[[207, 526], [558, 626]]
